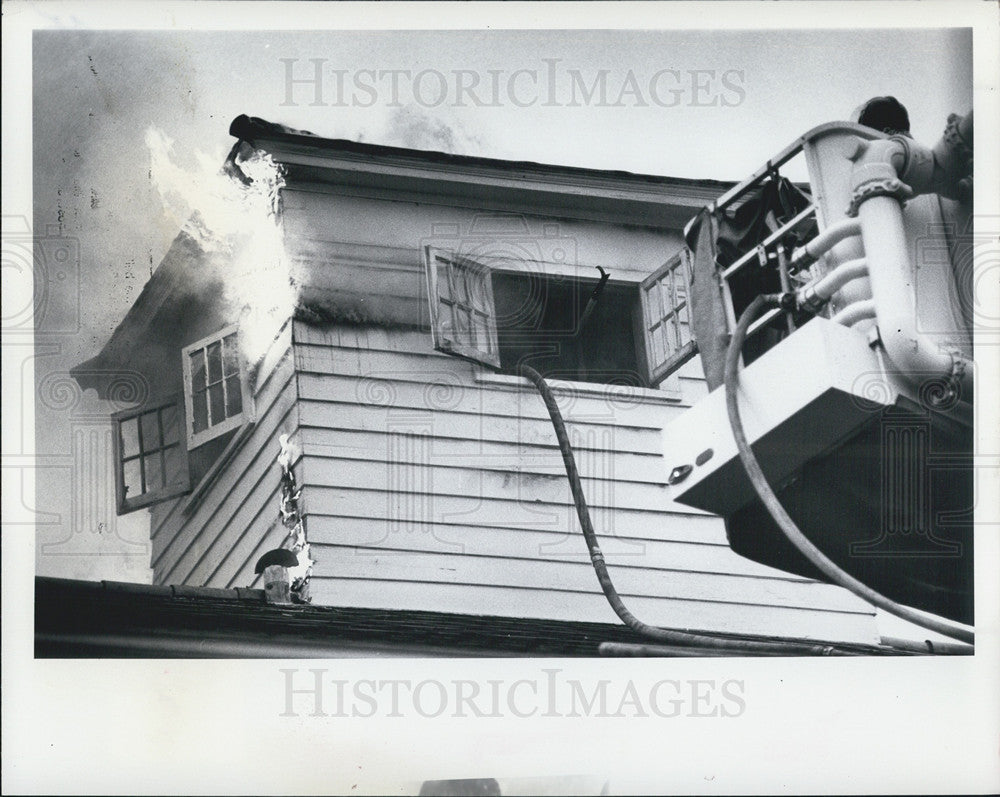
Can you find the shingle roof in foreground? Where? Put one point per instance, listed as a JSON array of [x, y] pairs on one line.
[[96, 619]]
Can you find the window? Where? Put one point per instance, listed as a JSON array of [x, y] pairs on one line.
[[566, 327], [462, 320], [150, 456], [216, 392], [667, 318]]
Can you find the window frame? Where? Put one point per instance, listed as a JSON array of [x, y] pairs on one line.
[[650, 319], [246, 415], [655, 373], [124, 504], [442, 341]]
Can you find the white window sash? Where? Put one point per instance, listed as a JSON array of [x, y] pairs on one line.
[[195, 439]]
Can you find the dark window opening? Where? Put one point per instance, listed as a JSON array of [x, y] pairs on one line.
[[541, 321]]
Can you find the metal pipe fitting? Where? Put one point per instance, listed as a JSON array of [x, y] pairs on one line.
[[813, 296], [877, 165], [813, 250]]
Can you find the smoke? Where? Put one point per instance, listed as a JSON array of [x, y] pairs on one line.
[[416, 129], [232, 214]]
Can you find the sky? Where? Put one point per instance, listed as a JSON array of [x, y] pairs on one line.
[[695, 104]]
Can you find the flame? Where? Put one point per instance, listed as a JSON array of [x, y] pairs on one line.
[[238, 228], [304, 568]]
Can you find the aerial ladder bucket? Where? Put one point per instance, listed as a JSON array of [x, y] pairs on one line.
[[856, 388]]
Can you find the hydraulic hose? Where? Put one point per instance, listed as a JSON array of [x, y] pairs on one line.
[[782, 518], [663, 635]]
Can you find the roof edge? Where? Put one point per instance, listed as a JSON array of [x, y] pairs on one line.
[[254, 129]]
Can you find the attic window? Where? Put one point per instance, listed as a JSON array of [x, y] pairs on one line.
[[216, 391], [635, 333], [150, 458]]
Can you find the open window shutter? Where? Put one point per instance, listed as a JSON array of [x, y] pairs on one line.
[[666, 318], [463, 319], [151, 462]]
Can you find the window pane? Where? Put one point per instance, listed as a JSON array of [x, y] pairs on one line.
[[463, 333], [667, 331], [447, 322], [650, 306], [462, 279], [170, 419], [230, 356], [197, 359], [131, 473], [685, 331], [154, 472], [444, 287], [174, 466], [666, 301], [199, 403], [672, 280], [483, 342], [234, 397], [130, 437], [660, 344], [216, 405], [477, 293], [214, 354], [150, 431]]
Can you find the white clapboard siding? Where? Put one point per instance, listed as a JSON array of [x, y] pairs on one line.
[[326, 227], [200, 538], [430, 487], [446, 511], [470, 427], [503, 455], [529, 573], [467, 481], [548, 603], [367, 536]]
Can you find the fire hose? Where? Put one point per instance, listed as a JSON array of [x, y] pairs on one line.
[[663, 635]]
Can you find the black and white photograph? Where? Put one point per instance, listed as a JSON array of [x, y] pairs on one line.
[[480, 399]]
